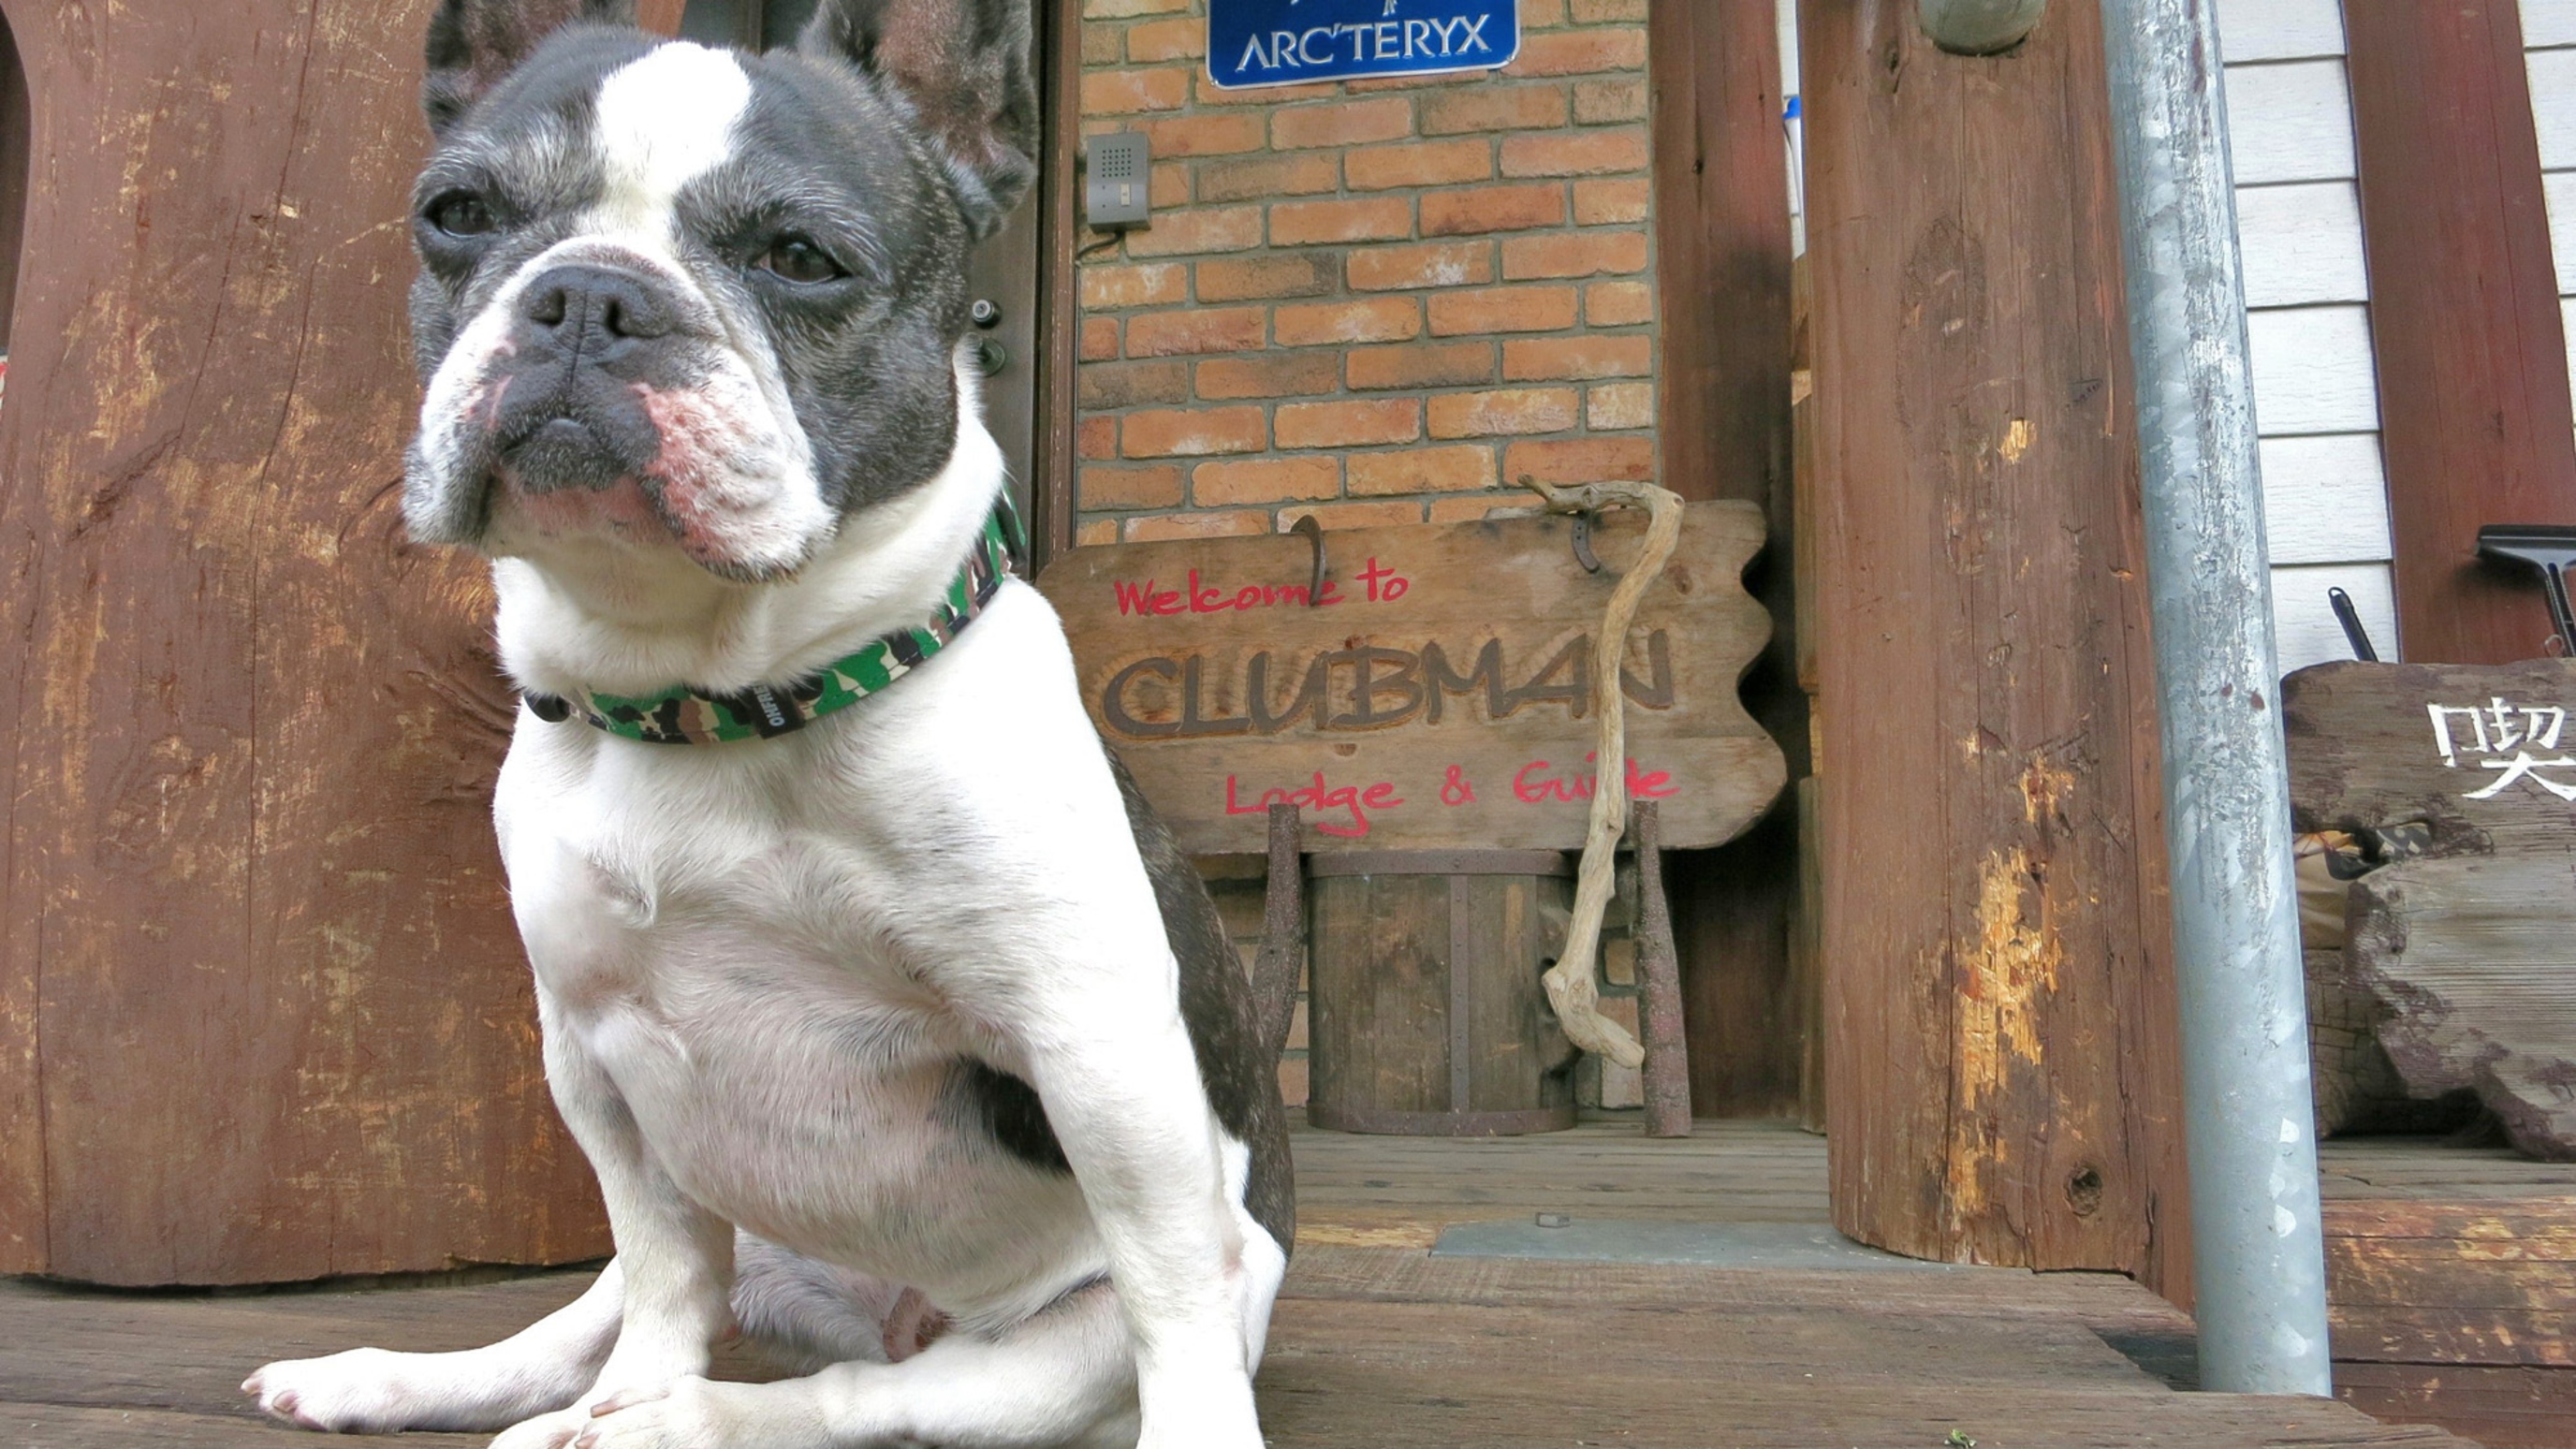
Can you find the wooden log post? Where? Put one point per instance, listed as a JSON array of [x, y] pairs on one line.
[[262, 1012], [2001, 1038]]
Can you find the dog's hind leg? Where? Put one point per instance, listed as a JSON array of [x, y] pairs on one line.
[[1064, 1379], [544, 1367]]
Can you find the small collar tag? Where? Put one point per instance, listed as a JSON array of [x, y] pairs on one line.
[[682, 715]]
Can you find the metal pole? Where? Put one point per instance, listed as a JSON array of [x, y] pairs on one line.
[[2257, 1239]]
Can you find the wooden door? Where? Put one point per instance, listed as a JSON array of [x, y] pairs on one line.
[[263, 1015]]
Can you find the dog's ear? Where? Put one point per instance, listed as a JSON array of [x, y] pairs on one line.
[[474, 43], [964, 68]]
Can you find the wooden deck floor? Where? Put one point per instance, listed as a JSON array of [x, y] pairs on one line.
[[1378, 1342]]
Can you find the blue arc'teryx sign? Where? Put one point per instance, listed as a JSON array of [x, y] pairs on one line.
[[1281, 42]]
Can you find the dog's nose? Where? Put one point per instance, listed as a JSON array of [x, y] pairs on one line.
[[593, 309]]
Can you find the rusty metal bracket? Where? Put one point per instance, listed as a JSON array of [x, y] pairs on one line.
[[1583, 553], [1313, 533]]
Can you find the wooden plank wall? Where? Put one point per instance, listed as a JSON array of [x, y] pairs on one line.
[[2000, 1020], [1722, 234], [262, 1012], [2472, 351]]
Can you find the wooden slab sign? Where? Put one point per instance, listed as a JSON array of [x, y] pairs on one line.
[[1434, 693]]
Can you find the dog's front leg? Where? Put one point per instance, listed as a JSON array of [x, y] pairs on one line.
[[675, 1257], [1114, 1067]]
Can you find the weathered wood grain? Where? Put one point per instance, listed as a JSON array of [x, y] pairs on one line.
[[2476, 960], [2505, 1408], [2364, 752], [1170, 640], [255, 941], [2003, 1082]]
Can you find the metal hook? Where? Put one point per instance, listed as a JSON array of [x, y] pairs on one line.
[[1583, 553], [1314, 533]]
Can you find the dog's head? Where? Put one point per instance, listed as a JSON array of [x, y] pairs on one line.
[[692, 300]]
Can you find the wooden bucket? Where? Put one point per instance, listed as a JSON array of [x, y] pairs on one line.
[[1427, 1017]]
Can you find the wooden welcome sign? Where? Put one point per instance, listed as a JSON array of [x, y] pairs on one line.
[[1433, 694]]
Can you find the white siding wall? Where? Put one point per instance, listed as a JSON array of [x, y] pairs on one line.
[[2549, 40], [2307, 293]]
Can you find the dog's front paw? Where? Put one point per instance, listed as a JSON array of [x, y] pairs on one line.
[[363, 1391], [695, 1414], [545, 1431]]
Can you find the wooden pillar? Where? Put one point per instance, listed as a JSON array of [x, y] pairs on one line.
[[262, 1012], [2000, 1047], [1722, 243], [2473, 400]]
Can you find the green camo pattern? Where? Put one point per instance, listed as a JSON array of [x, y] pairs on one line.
[[682, 715]]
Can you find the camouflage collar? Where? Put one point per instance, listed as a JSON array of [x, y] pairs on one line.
[[682, 715]]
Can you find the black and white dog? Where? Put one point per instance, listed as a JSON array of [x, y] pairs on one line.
[[906, 1042]]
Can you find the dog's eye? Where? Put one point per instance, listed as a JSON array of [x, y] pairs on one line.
[[795, 259], [461, 213]]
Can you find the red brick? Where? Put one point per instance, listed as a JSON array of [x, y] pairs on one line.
[[1580, 153], [1451, 364], [1093, 532], [1582, 460], [1172, 433], [1259, 178], [1374, 319], [1276, 274], [1577, 359], [1381, 218], [1273, 374], [1182, 39], [1492, 208], [1126, 92], [1599, 202], [1265, 480], [1580, 52], [1540, 14], [1102, 45], [1099, 338], [1490, 108], [1169, 188], [1205, 229], [1419, 163], [1618, 405], [1156, 285], [1432, 264], [1123, 9], [1575, 254], [1348, 123], [1199, 329], [1130, 488], [1097, 438], [1196, 525], [1618, 304], [1470, 510], [1354, 515], [1502, 309], [1370, 422], [1597, 102], [1421, 470], [1212, 94], [1593, 12], [1512, 410], [1174, 137], [1105, 385]]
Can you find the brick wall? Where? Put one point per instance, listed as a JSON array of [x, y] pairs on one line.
[[1374, 301]]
